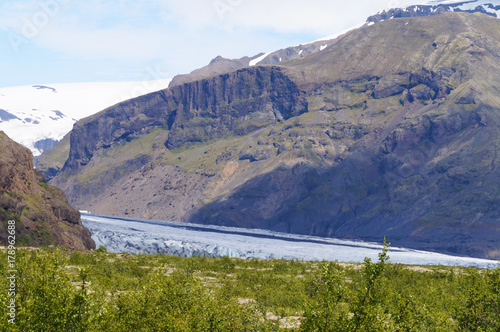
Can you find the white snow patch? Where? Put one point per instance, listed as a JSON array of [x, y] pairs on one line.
[[300, 52], [322, 47], [470, 5], [444, 2], [259, 59]]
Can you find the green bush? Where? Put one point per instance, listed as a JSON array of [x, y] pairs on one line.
[[60, 290]]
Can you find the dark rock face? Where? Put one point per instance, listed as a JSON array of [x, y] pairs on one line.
[[391, 131], [6, 116], [42, 213], [233, 104], [45, 144]]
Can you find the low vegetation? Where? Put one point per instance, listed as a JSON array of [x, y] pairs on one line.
[[58, 290]]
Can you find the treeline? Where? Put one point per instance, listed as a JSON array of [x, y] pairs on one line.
[[58, 290]]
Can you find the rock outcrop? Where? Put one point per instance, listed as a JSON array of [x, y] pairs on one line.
[[41, 212]]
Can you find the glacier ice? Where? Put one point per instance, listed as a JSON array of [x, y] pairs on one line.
[[187, 240]]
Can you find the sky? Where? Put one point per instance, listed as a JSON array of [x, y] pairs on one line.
[[69, 41]]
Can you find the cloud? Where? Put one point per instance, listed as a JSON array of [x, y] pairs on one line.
[[111, 43], [128, 29], [286, 16]]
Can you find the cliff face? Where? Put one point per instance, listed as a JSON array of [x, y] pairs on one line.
[[391, 131], [230, 105], [42, 213]]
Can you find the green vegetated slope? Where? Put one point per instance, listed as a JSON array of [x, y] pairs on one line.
[[391, 131], [52, 161], [35, 213], [99, 291]]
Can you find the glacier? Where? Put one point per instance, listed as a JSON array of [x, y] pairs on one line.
[[163, 237]]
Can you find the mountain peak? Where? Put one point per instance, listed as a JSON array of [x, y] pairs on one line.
[[217, 59]]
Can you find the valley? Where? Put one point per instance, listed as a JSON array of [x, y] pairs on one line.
[[392, 131], [350, 183], [103, 291]]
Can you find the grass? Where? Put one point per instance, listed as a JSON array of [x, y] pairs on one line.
[[201, 156], [116, 156]]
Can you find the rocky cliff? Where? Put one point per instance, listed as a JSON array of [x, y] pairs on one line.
[[390, 131], [230, 105], [41, 212]]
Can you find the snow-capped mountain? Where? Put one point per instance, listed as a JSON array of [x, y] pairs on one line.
[[38, 116]]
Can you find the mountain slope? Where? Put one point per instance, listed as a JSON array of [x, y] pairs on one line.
[[41, 212], [39, 116], [391, 131], [423, 172]]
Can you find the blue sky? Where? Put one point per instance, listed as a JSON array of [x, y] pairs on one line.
[[64, 41]]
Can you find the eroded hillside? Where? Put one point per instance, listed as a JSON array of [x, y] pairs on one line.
[[41, 213]]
